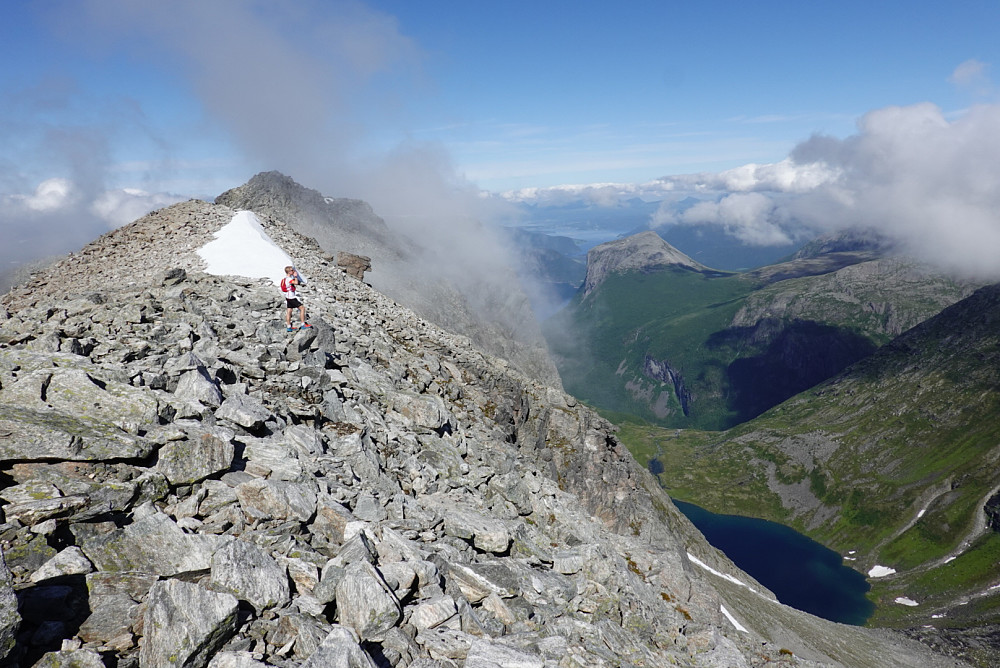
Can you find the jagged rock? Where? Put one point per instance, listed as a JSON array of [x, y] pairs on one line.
[[479, 580], [251, 574], [424, 410], [70, 561], [244, 411], [196, 457], [75, 392], [115, 601], [277, 499], [487, 654], [78, 658], [185, 624], [486, 534], [197, 385], [354, 265], [366, 603], [235, 660], [10, 621], [395, 479], [151, 544], [433, 612], [27, 434], [340, 649]]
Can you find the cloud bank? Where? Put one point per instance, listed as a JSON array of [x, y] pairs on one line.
[[915, 175]]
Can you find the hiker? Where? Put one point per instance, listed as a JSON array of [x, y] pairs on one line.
[[288, 288]]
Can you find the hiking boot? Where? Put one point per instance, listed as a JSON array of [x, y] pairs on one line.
[[304, 325]]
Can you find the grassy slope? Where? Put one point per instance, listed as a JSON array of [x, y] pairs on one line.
[[667, 314], [740, 344], [853, 462]]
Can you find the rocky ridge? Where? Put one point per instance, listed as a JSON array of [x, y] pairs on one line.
[[185, 483], [480, 299]]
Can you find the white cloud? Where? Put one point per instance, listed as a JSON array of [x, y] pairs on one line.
[[753, 218], [915, 177], [787, 176], [51, 195], [120, 207], [971, 73]]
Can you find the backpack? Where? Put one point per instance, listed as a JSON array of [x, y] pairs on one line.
[[287, 287]]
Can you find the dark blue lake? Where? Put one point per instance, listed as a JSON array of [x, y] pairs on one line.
[[801, 572]]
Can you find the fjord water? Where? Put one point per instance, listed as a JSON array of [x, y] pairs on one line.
[[801, 572]]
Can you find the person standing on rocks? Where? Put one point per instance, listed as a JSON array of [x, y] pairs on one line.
[[289, 284]]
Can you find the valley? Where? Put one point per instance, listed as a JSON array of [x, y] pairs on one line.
[[852, 398]]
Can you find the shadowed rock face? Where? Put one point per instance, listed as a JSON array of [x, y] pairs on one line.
[[373, 491], [485, 303]]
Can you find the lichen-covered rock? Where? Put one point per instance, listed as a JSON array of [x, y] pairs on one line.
[[200, 455], [151, 544], [185, 625], [251, 574], [366, 603]]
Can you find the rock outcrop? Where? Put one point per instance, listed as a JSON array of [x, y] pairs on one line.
[[186, 483], [643, 252]]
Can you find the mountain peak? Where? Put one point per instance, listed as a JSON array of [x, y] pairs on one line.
[[642, 252]]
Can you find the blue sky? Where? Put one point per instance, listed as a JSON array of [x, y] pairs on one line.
[[112, 107]]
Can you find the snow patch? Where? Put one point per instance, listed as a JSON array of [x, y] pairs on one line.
[[243, 248], [880, 571], [950, 559], [902, 600], [921, 513], [724, 576], [739, 627]]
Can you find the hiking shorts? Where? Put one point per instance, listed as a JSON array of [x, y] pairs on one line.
[[292, 303]]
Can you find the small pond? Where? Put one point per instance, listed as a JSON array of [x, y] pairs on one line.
[[801, 572]]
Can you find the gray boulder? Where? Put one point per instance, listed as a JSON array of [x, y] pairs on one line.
[[151, 544], [185, 625], [195, 458], [340, 649], [251, 574], [366, 603]]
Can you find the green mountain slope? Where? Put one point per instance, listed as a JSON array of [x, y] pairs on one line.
[[685, 347], [891, 461]]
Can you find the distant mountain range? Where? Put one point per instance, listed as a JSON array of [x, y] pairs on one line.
[[660, 336]]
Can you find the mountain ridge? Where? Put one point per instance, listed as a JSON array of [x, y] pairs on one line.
[[404, 499], [481, 299]]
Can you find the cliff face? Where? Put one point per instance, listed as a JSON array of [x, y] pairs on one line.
[[186, 483], [483, 301]]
